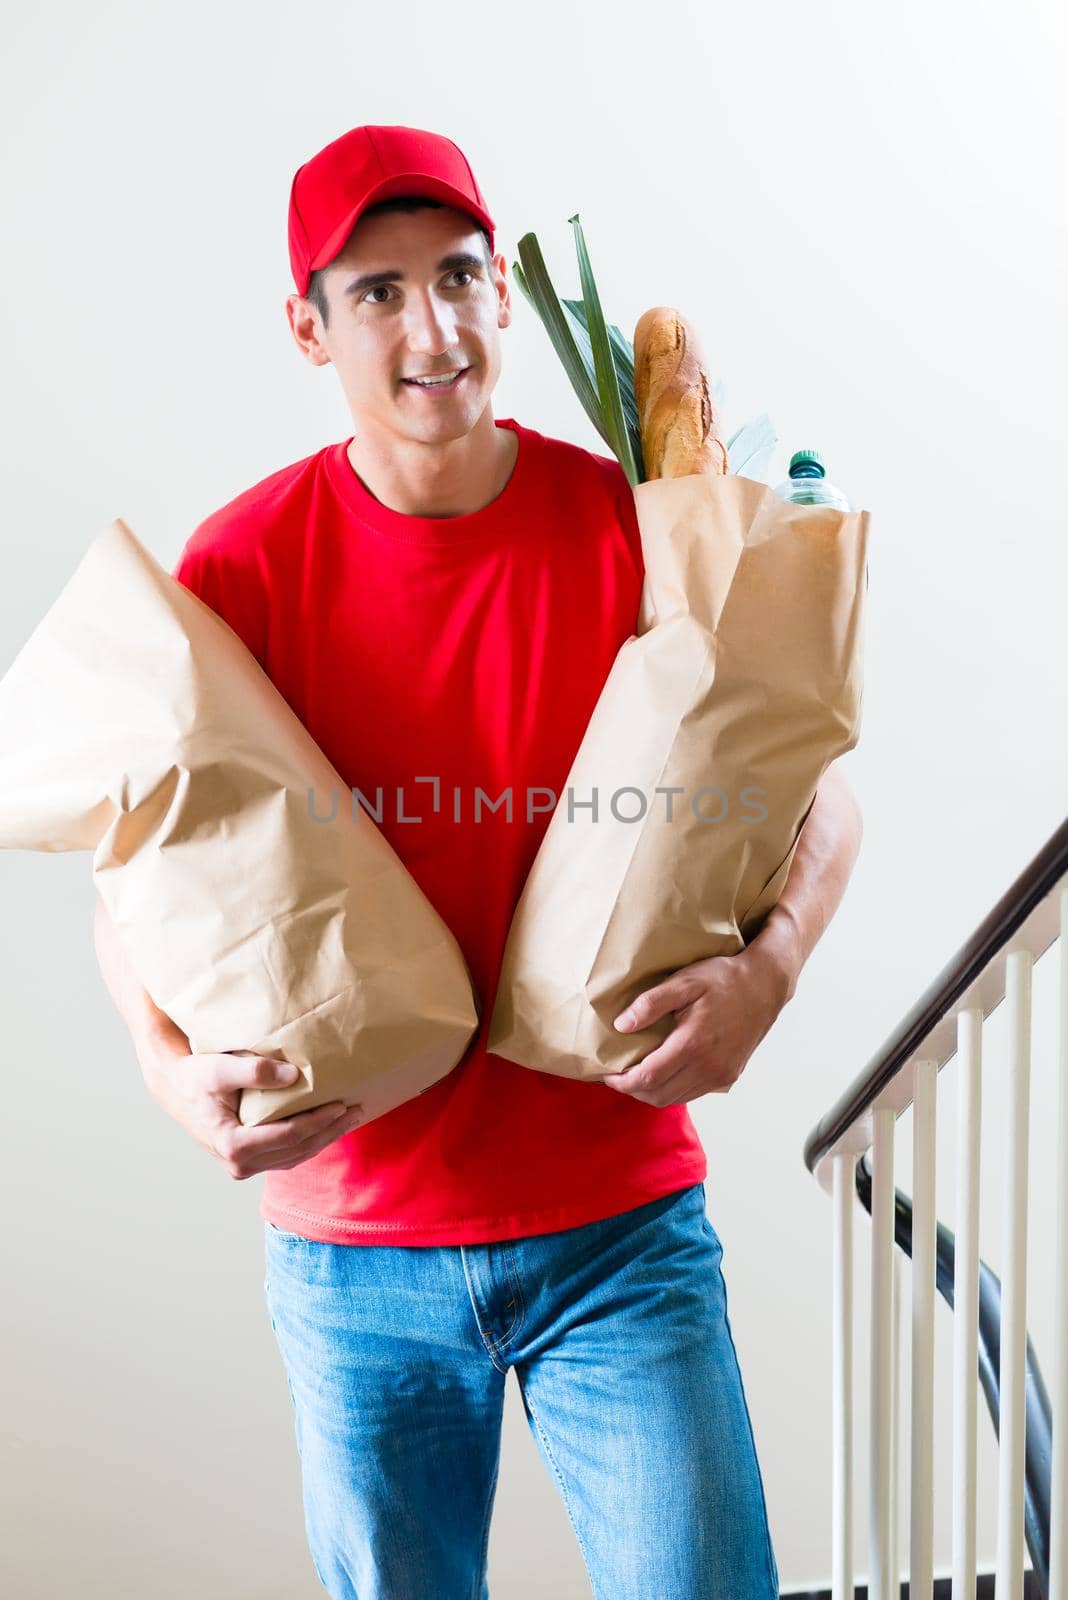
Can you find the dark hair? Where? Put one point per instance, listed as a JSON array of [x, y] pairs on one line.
[[403, 202]]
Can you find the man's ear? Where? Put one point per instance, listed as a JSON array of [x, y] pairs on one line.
[[306, 327], [504, 294]]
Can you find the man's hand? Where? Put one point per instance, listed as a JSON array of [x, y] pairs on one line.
[[723, 1007], [202, 1092]]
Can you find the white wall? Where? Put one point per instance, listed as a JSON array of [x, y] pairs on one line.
[[861, 208]]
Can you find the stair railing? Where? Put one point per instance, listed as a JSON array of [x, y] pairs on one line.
[[990, 1341]]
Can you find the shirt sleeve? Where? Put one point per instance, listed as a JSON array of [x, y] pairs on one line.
[[233, 590]]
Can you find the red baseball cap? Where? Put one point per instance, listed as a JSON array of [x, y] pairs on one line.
[[365, 165]]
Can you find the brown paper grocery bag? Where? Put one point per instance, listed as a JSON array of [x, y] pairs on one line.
[[743, 683], [136, 724]]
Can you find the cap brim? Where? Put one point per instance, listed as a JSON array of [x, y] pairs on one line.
[[404, 183]]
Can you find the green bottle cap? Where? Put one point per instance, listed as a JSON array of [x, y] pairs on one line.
[[806, 464]]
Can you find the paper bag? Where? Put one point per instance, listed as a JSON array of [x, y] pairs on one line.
[[742, 684], [136, 724]]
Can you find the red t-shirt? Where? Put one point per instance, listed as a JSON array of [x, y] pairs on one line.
[[469, 649]]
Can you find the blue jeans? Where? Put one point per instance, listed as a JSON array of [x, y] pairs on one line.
[[396, 1358]]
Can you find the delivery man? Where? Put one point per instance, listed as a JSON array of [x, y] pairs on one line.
[[440, 596]]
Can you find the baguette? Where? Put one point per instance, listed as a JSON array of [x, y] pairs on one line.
[[678, 419]]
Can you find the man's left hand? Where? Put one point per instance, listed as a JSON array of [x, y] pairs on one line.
[[723, 1008]]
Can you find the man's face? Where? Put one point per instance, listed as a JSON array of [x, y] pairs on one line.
[[433, 319]]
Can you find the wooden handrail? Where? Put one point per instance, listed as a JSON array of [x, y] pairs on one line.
[[1026, 916]]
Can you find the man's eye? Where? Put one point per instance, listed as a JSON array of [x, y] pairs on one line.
[[461, 272]]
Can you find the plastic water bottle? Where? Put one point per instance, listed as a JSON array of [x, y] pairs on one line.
[[807, 483]]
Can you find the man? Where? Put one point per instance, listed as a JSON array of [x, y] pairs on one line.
[[440, 599]]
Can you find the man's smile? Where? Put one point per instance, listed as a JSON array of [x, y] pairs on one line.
[[443, 383]]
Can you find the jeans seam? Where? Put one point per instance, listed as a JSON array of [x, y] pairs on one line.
[[488, 1344], [543, 1436], [480, 1574], [773, 1578], [495, 1346], [520, 1306]]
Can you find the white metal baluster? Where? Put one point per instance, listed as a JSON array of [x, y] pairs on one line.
[[903, 1297], [1058, 1569], [924, 1109], [1010, 1562], [845, 1199], [880, 1556], [966, 1296], [896, 1343]]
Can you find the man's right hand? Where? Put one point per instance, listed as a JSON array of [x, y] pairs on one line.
[[202, 1093]]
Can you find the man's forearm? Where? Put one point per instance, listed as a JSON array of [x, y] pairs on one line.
[[819, 873], [149, 1027]]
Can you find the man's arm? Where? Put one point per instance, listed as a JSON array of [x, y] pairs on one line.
[[819, 873], [153, 1033], [202, 1092], [725, 1006]]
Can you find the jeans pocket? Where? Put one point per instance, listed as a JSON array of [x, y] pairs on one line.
[[282, 1235]]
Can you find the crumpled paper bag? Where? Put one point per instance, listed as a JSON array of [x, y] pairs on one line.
[[744, 681], [135, 723]]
